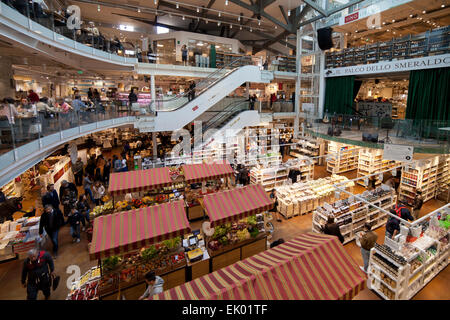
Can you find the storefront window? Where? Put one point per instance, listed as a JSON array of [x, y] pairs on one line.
[[165, 51]]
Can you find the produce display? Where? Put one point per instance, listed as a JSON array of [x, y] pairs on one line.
[[86, 287], [131, 268], [107, 208], [234, 232]]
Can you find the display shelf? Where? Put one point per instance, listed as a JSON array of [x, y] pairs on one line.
[[370, 161], [421, 176], [342, 157]]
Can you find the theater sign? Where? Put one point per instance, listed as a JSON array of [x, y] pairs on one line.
[[440, 61]]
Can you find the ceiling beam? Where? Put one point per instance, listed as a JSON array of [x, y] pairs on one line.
[[316, 7], [204, 11], [242, 24], [257, 9], [284, 14]]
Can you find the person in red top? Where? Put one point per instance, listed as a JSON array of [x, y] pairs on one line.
[[33, 96]]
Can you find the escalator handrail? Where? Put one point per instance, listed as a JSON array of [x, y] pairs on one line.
[[229, 110], [196, 89]]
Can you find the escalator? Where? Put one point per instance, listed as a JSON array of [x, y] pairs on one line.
[[174, 113]]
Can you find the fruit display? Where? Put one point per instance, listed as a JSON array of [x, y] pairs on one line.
[[107, 208], [232, 233], [131, 268]]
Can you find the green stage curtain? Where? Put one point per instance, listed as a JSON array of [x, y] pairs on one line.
[[339, 95], [428, 101], [212, 56]]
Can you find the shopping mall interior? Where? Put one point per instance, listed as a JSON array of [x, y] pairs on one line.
[[225, 150]]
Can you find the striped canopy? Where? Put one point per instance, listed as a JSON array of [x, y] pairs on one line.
[[235, 204], [127, 231], [139, 180], [309, 267], [204, 171]]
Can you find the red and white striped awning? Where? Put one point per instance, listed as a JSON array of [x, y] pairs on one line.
[[139, 180], [235, 204], [206, 171]]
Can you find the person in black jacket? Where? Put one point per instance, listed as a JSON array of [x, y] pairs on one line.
[[417, 205], [51, 221], [66, 185], [37, 272], [332, 228], [74, 218], [51, 197]]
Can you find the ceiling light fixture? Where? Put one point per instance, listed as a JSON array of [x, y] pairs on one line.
[[239, 18], [139, 10], [259, 22], [240, 28], [178, 6], [410, 15], [276, 27], [424, 11], [98, 8], [226, 2], [156, 2], [206, 21], [219, 13], [289, 13], [443, 6], [231, 26], [251, 30], [387, 30], [198, 9], [184, 18], [218, 23]]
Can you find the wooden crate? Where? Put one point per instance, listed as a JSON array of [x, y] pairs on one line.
[[253, 248], [226, 259], [200, 269]]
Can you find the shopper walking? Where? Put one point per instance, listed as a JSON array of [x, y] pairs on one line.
[[98, 174], [68, 200], [402, 211], [132, 98], [84, 209], [417, 205], [117, 163], [274, 210], [87, 185], [37, 274], [74, 219], [106, 171], [68, 185], [124, 166], [332, 228], [367, 241], [184, 54], [154, 285], [98, 191], [51, 197], [78, 169], [392, 226], [51, 221]]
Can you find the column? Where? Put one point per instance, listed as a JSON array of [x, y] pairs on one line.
[[297, 83], [7, 89], [153, 91], [247, 90], [155, 149], [321, 86]]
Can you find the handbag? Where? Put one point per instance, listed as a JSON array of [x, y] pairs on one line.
[[55, 282]]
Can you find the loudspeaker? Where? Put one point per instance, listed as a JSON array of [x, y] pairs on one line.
[[324, 38]]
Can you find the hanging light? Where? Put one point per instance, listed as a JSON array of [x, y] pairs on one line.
[[156, 1], [240, 28], [393, 20], [251, 30], [231, 26], [178, 6], [443, 6], [139, 10], [424, 11], [289, 13], [206, 21], [239, 18], [218, 23], [226, 2], [183, 18], [410, 15], [219, 13], [259, 22], [276, 27], [98, 8], [198, 9]]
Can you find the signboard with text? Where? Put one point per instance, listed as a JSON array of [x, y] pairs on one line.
[[440, 61], [398, 152]]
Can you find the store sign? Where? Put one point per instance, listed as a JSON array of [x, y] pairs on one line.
[[440, 61], [351, 17], [398, 152]]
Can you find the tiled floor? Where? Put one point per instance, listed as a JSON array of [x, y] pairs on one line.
[[77, 254]]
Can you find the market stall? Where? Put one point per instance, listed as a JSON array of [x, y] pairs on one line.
[[129, 244], [303, 197], [203, 179], [309, 267], [403, 265], [17, 237], [238, 224]]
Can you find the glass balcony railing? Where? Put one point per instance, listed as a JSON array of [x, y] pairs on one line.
[[426, 136], [18, 128], [434, 42]]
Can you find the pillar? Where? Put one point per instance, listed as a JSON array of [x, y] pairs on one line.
[[247, 90], [7, 89], [153, 91], [155, 149]]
